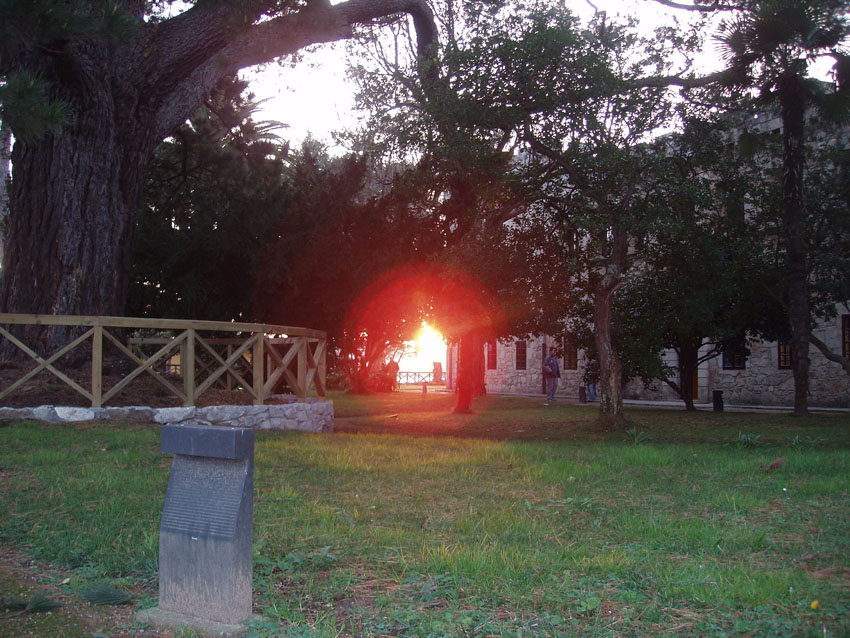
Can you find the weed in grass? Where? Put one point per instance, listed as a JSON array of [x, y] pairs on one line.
[[637, 437], [748, 440], [807, 441], [106, 594]]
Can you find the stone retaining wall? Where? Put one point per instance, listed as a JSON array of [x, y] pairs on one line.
[[314, 415]]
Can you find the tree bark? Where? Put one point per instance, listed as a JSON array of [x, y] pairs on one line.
[[792, 111], [688, 357], [470, 371], [5, 163], [610, 391], [74, 194], [73, 206]]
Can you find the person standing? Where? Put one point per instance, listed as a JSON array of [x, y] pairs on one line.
[[551, 373], [591, 376]]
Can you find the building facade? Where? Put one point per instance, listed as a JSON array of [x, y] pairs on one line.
[[761, 378]]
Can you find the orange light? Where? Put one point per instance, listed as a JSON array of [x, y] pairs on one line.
[[428, 348]]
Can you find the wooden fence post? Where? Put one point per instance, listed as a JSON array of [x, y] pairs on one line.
[[97, 367], [321, 347], [258, 361], [301, 390], [188, 366]]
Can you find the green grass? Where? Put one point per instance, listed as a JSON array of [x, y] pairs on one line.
[[393, 535]]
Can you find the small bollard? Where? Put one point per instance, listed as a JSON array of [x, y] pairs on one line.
[[717, 398], [424, 388], [582, 394], [205, 535]]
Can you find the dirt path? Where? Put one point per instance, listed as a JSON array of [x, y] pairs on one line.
[[21, 578]]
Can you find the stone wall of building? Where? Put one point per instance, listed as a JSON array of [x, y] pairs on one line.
[[761, 382], [507, 379]]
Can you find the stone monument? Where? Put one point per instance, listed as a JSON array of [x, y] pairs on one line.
[[205, 535]]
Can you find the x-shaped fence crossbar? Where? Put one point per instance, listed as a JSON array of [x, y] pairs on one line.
[[257, 358]]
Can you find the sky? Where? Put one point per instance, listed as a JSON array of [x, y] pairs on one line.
[[315, 97]]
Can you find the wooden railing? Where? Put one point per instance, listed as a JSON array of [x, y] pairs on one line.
[[258, 358], [415, 377]]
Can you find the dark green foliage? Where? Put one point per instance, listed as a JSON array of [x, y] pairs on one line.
[[215, 193], [27, 96], [234, 226], [828, 223], [708, 276], [26, 107]]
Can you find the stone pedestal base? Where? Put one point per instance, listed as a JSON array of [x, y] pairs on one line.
[[162, 619]]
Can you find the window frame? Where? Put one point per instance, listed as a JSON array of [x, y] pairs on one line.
[[491, 355], [783, 356], [570, 355], [524, 357], [735, 357]]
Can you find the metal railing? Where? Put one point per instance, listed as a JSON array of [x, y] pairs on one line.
[[258, 358]]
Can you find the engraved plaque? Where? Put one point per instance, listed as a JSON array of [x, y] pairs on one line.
[[204, 496]]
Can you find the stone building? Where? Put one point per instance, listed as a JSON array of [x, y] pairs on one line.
[[763, 377]]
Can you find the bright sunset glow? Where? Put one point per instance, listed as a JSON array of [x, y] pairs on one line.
[[428, 348]]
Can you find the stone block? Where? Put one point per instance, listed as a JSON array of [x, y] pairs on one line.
[[16, 413], [75, 414], [45, 413], [205, 534], [174, 415]]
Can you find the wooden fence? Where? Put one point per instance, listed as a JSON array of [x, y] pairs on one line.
[[415, 377], [258, 357]]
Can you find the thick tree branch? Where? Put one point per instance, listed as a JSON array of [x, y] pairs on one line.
[[228, 52], [829, 354], [662, 81], [702, 8], [539, 147]]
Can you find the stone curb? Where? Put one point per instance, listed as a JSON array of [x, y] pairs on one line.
[[169, 620], [314, 415]]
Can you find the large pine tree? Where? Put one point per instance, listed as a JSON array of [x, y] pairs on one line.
[[114, 81]]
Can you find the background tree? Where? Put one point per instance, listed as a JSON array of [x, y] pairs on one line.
[[600, 181], [114, 81], [707, 277], [770, 45], [339, 256], [827, 184], [214, 193], [500, 65]]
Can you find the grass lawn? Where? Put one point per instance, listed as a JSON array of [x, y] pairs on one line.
[[517, 520]]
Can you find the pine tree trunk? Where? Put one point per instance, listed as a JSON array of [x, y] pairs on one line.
[[73, 204], [792, 110]]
